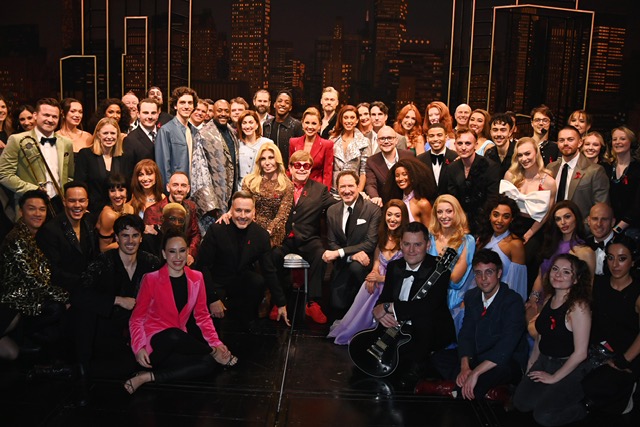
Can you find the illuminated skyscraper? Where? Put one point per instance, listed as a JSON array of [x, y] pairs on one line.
[[250, 33], [390, 27]]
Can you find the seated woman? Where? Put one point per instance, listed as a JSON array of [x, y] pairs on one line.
[[117, 207], [159, 339], [408, 124], [146, 186], [564, 233], [413, 186], [272, 190], [351, 148], [497, 235], [616, 311], [479, 122], [551, 387], [449, 229], [360, 314], [321, 149]]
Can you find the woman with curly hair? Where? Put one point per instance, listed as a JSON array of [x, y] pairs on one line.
[[479, 122], [350, 147], [146, 187], [272, 190], [360, 315], [449, 228], [552, 386], [114, 109], [408, 125], [410, 182]]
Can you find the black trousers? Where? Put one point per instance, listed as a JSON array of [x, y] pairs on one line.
[[311, 251], [609, 389], [178, 355]]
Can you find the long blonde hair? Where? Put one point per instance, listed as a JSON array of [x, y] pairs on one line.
[[97, 143], [254, 179], [516, 169], [460, 225]]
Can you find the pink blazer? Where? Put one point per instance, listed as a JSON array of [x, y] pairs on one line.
[[322, 154], [156, 309]]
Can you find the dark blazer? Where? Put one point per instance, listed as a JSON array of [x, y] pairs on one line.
[[364, 236], [221, 259], [377, 173], [431, 313], [322, 154], [472, 191], [449, 157], [549, 152], [91, 170], [589, 184], [68, 257], [326, 133], [138, 146], [289, 128], [500, 334], [304, 218], [492, 154], [164, 118]]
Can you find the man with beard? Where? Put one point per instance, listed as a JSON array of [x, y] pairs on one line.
[[262, 103], [329, 102]]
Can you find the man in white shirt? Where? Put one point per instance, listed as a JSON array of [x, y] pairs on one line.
[[601, 222]]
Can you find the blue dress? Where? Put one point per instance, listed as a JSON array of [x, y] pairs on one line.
[[514, 275], [360, 314], [458, 289]]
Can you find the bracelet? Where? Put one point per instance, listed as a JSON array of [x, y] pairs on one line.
[[536, 294]]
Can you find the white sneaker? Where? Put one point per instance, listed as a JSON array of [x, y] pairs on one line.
[[629, 407]]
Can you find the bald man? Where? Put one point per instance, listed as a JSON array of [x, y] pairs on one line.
[[601, 222]]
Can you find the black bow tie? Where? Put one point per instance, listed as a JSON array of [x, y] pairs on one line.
[[409, 273], [596, 245], [51, 140], [437, 158]]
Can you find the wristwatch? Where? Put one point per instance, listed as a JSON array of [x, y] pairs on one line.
[[386, 307]]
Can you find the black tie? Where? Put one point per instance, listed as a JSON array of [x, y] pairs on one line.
[[51, 140], [349, 225], [409, 273], [152, 134], [437, 158], [596, 245], [563, 183]]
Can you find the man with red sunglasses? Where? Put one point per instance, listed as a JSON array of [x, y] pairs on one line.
[[310, 200]]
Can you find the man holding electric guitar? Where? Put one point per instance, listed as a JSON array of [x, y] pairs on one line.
[[426, 322]]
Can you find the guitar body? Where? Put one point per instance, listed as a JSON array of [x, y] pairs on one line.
[[376, 352]]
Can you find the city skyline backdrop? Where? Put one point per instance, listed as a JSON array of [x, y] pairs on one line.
[[549, 52]]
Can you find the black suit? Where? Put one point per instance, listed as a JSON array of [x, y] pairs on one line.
[[431, 323], [377, 173], [302, 233], [449, 157], [229, 258], [473, 190], [68, 257], [550, 152], [281, 133], [91, 170], [138, 146], [348, 275], [505, 164]]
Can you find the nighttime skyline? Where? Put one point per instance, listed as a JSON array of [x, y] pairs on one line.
[[302, 54]]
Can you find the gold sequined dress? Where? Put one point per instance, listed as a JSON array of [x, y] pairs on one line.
[[272, 208]]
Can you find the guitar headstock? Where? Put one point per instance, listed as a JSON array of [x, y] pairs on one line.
[[447, 259]]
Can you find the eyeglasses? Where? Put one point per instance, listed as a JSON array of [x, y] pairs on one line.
[[299, 165], [564, 271], [386, 138], [544, 121], [488, 273]]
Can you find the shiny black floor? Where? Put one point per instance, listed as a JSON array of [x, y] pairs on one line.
[[285, 377]]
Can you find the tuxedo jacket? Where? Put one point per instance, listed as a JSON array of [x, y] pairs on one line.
[[304, 218], [449, 157], [364, 235], [377, 173], [589, 184], [171, 151], [498, 335], [222, 262], [16, 174], [69, 257], [431, 313], [91, 169], [138, 146], [322, 154], [156, 310]]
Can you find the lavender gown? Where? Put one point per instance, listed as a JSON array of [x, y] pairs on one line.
[[360, 317]]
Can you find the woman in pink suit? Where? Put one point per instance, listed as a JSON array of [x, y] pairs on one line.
[[158, 323], [321, 149]]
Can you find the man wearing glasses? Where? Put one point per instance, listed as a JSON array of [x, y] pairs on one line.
[[541, 120], [310, 200], [492, 346]]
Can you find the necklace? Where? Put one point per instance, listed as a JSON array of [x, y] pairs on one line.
[[151, 199]]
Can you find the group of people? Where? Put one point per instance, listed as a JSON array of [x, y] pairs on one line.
[[223, 194]]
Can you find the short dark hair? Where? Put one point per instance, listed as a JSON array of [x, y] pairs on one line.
[[437, 125], [487, 256], [116, 180], [33, 194], [149, 101], [350, 173], [182, 91], [172, 232], [503, 118], [48, 101], [571, 128], [75, 184], [416, 227], [285, 92], [381, 105], [128, 220], [544, 110], [242, 194]]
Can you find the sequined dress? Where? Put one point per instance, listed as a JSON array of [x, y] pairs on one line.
[[272, 208]]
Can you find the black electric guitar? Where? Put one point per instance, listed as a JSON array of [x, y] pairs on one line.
[[376, 352]]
